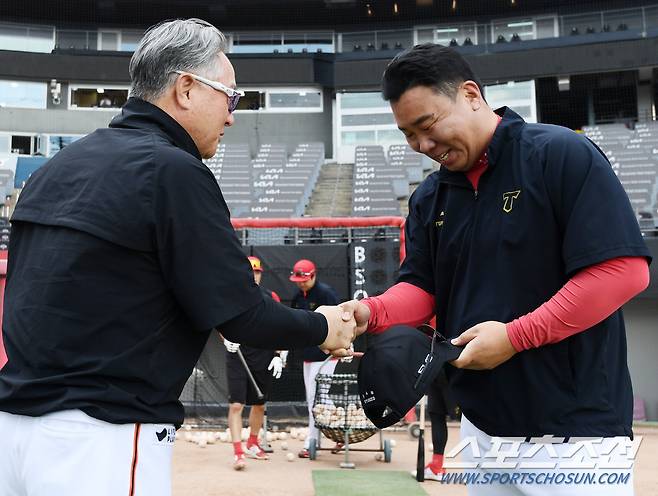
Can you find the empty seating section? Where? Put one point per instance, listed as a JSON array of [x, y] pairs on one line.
[[377, 185], [634, 158], [273, 184], [415, 164]]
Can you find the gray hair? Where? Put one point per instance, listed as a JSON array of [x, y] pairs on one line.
[[190, 45]]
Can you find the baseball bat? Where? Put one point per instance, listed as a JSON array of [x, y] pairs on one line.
[[420, 459], [259, 393]]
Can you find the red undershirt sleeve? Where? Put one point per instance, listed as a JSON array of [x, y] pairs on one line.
[[403, 303], [586, 299]]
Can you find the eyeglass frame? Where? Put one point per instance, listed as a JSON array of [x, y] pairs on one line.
[[232, 94]]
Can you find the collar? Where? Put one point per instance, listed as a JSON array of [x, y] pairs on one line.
[[140, 114], [508, 127]]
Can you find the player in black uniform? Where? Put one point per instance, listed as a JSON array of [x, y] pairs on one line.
[[264, 365]]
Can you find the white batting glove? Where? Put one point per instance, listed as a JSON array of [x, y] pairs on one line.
[[284, 357], [276, 366], [348, 359], [231, 347]]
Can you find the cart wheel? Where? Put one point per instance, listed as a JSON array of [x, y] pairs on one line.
[[312, 450], [414, 430], [388, 451]]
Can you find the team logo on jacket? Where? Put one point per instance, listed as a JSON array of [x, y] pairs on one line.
[[508, 200], [439, 221]]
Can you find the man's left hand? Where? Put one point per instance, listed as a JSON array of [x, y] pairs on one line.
[[486, 346]]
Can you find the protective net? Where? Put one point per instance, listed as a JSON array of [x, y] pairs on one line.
[[356, 256]]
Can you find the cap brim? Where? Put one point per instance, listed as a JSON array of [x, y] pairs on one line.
[[256, 269], [300, 278]]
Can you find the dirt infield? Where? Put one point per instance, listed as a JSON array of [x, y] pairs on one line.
[[207, 471]]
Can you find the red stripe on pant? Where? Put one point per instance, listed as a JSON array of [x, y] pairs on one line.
[[133, 467]]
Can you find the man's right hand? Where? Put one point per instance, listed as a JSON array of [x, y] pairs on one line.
[[231, 347], [361, 313], [342, 330]]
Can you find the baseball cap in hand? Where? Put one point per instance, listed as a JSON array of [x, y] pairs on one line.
[[302, 271], [397, 369]]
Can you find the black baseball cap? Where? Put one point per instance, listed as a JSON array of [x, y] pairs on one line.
[[398, 368]]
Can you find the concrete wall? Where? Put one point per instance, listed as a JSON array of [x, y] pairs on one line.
[[291, 129]]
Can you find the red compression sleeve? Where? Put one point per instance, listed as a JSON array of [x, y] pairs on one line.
[[586, 299], [403, 303]]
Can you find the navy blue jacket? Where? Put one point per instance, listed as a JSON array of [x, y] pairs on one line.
[[548, 205]]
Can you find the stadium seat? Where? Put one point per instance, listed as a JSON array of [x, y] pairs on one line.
[[516, 37], [468, 42], [589, 30], [575, 31], [453, 42], [501, 39], [384, 46]]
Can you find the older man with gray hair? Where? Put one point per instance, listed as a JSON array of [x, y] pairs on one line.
[[122, 261]]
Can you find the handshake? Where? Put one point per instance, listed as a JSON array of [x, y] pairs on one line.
[[345, 322]]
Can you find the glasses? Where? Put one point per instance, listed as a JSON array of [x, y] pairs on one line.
[[233, 95], [299, 273]]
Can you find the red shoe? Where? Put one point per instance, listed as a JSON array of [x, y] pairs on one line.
[[304, 454], [239, 462], [256, 452], [337, 449]]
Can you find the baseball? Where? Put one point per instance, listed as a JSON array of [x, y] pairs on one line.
[[379, 457], [283, 436], [393, 443], [290, 457], [284, 446], [202, 443]]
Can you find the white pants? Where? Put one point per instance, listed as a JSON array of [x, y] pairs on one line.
[[546, 478], [311, 369], [69, 453]]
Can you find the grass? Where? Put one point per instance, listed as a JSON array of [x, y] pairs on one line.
[[345, 482]]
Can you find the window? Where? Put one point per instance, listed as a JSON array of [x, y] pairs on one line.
[[368, 119], [296, 100], [57, 143], [27, 38], [518, 95], [362, 100], [97, 97], [130, 40], [281, 100], [24, 144], [252, 100], [357, 137], [23, 94], [77, 39]]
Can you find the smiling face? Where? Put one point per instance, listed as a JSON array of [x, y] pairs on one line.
[[448, 130]]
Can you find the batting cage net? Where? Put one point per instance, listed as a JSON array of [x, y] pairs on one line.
[[358, 257]]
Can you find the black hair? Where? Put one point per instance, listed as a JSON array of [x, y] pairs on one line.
[[435, 66]]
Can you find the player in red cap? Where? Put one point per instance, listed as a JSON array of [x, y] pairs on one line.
[[241, 392], [312, 294]]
